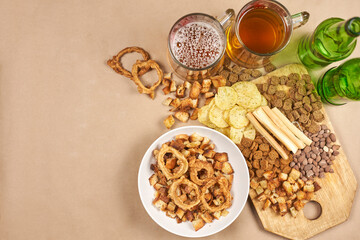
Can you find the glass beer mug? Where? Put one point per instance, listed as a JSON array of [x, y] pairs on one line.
[[196, 45], [262, 28]]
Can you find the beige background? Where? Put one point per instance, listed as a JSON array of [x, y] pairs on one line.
[[73, 132]]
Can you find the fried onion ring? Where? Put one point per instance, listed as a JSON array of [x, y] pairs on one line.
[[223, 182], [176, 198], [197, 166], [115, 63], [135, 76], [183, 163]]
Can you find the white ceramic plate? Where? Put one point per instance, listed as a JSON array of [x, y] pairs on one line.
[[239, 191]]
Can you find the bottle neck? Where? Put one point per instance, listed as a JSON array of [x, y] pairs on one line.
[[352, 26]]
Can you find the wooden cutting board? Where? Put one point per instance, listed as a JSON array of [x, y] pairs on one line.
[[335, 197]]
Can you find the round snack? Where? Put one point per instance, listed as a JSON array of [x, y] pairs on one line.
[[183, 163], [224, 199], [248, 94], [115, 63], [250, 132], [203, 115], [225, 98], [177, 200], [237, 117], [135, 73], [263, 101], [195, 169], [236, 134], [216, 117]]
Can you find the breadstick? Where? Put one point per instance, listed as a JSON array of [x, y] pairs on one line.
[[267, 136], [291, 126], [300, 144]]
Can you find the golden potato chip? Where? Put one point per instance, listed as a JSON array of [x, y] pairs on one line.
[[203, 115], [263, 101], [236, 134], [216, 116], [237, 117], [226, 115], [248, 94], [226, 98], [225, 131], [251, 133], [249, 126]]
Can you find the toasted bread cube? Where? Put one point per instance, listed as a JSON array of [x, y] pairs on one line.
[[293, 212], [282, 208], [230, 178], [289, 203], [218, 81], [182, 116], [192, 145], [195, 114], [201, 157], [153, 179], [160, 204], [309, 187], [205, 142], [293, 197], [209, 153], [298, 205], [166, 82], [210, 147], [227, 168], [301, 183], [291, 180], [166, 90], [185, 152], [168, 75], [208, 100], [266, 204], [198, 223], [273, 198], [267, 192], [187, 84], [206, 217], [180, 91], [217, 215], [169, 121], [283, 177], [300, 195], [295, 187], [167, 101], [195, 90], [180, 213], [194, 103], [221, 157], [276, 182], [172, 86], [280, 200], [170, 214], [185, 105], [171, 206], [224, 213], [205, 86], [287, 187], [275, 208], [183, 137], [268, 175], [261, 197], [209, 94], [175, 102], [196, 138], [263, 184], [309, 195], [295, 174], [157, 186], [259, 190], [254, 184]]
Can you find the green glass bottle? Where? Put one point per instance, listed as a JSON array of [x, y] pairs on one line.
[[334, 39], [341, 84]]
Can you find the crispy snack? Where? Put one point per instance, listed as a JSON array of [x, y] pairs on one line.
[[135, 76], [181, 159], [115, 63], [192, 180]]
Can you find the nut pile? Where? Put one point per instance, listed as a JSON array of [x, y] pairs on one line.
[[275, 183], [296, 97], [316, 160]]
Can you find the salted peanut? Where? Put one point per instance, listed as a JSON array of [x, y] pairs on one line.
[[195, 90], [287, 187], [206, 217], [153, 179], [171, 206], [167, 101], [299, 205], [172, 86], [205, 86], [182, 116], [196, 138], [209, 95], [166, 90], [295, 174], [208, 153], [263, 184], [283, 176], [221, 157], [293, 212], [226, 168], [259, 190], [180, 213], [169, 122], [309, 187], [266, 204], [195, 114], [160, 204], [180, 91], [198, 224], [187, 84], [261, 197], [268, 175]]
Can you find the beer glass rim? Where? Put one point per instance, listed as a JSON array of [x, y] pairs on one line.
[[245, 9], [220, 55]]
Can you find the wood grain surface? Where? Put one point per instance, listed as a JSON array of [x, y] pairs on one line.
[[335, 196]]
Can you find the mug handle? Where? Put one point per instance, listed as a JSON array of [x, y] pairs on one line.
[[227, 18], [300, 19]]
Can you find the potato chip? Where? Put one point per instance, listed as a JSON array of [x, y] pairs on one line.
[[226, 98], [263, 101], [248, 94], [237, 117], [250, 133], [236, 134], [216, 116], [225, 131], [203, 115], [226, 115]]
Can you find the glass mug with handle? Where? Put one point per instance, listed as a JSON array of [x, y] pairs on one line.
[[261, 29], [196, 45]]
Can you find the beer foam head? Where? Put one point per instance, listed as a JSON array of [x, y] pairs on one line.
[[197, 45]]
